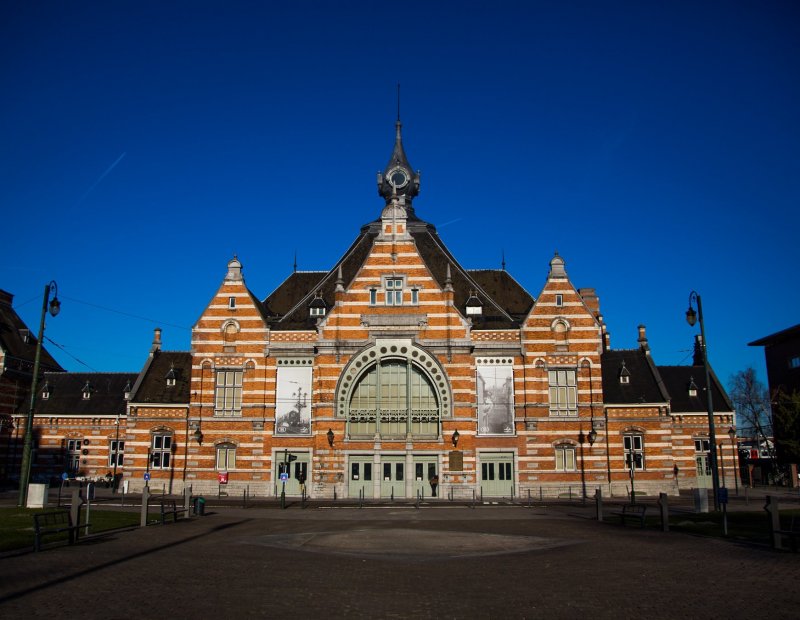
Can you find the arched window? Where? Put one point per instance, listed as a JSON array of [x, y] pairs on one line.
[[393, 390]]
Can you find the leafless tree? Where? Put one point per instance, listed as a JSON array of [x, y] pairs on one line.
[[751, 399]]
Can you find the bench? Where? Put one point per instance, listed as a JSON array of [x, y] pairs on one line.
[[56, 522], [792, 533], [633, 511], [170, 507]]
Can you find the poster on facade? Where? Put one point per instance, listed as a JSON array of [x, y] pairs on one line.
[[495, 400], [293, 401]]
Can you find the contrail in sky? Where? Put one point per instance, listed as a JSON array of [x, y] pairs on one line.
[[102, 176]]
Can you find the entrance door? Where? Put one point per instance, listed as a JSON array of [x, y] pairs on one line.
[[425, 468], [393, 476], [295, 467], [360, 477], [497, 475], [702, 463]]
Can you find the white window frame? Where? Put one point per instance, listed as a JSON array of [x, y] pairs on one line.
[[563, 392], [566, 458], [116, 452], [393, 291], [316, 311], [225, 456], [231, 303], [633, 443], [73, 457], [228, 389], [559, 300], [161, 444]]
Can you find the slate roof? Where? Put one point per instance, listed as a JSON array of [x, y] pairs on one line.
[[677, 379], [20, 354], [505, 302], [645, 384], [66, 393], [151, 386]]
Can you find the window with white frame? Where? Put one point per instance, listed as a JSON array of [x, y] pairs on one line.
[[563, 392], [73, 459], [228, 393], [565, 457], [231, 302], [633, 446], [226, 456], [116, 453], [414, 296], [394, 291], [161, 450], [559, 300]]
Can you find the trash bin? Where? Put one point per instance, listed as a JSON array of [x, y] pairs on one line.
[[200, 506]]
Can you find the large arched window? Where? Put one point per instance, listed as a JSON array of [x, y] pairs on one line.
[[394, 390]]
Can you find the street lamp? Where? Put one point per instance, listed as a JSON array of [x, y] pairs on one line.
[[691, 318], [25, 467], [736, 467]]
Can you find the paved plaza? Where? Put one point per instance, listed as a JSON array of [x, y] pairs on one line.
[[400, 562]]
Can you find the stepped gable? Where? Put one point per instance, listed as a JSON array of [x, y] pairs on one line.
[[644, 381], [153, 386], [66, 393], [18, 343], [677, 380]]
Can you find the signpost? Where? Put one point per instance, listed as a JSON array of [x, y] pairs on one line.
[[284, 474]]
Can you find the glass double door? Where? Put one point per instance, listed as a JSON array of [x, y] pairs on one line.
[[497, 475], [425, 468], [389, 476]]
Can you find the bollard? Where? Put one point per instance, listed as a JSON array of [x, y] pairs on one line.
[[145, 502], [598, 502], [663, 505], [75, 507], [334, 494], [774, 521]]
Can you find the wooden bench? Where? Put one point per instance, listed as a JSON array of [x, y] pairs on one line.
[[56, 522], [634, 512], [170, 507], [792, 533]]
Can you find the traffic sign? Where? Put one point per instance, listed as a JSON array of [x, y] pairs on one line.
[[147, 475], [284, 477]]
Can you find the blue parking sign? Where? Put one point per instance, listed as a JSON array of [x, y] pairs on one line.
[[147, 475]]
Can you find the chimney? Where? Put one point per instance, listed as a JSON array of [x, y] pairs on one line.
[[697, 360], [643, 338], [5, 298], [156, 339]]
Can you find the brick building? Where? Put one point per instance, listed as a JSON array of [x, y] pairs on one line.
[[398, 366]]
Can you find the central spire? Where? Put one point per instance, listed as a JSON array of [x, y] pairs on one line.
[[398, 178]]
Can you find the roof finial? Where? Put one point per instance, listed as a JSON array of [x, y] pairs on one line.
[[503, 263], [398, 102], [294, 267]]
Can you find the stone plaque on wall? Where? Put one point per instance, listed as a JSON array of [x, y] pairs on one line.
[[456, 460]]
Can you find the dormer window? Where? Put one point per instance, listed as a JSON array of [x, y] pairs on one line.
[[474, 306], [692, 387], [126, 391], [624, 374], [317, 307], [171, 376], [87, 391], [46, 391], [25, 335]]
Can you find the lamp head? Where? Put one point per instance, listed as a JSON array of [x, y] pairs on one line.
[[455, 438], [691, 316], [329, 435], [592, 437]]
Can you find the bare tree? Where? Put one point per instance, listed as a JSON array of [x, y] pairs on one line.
[[751, 399]]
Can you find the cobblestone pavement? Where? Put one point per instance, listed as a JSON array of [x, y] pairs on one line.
[[399, 562]]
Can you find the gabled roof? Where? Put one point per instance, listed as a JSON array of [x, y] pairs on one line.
[[106, 390], [644, 381], [791, 333], [151, 385], [505, 302], [20, 351], [677, 380]]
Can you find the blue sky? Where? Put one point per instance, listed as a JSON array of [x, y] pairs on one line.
[[654, 145]]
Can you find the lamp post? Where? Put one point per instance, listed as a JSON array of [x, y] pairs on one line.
[[735, 452], [25, 467], [691, 318]]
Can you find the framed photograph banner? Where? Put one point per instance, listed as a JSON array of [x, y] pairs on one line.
[[293, 401], [495, 400]]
